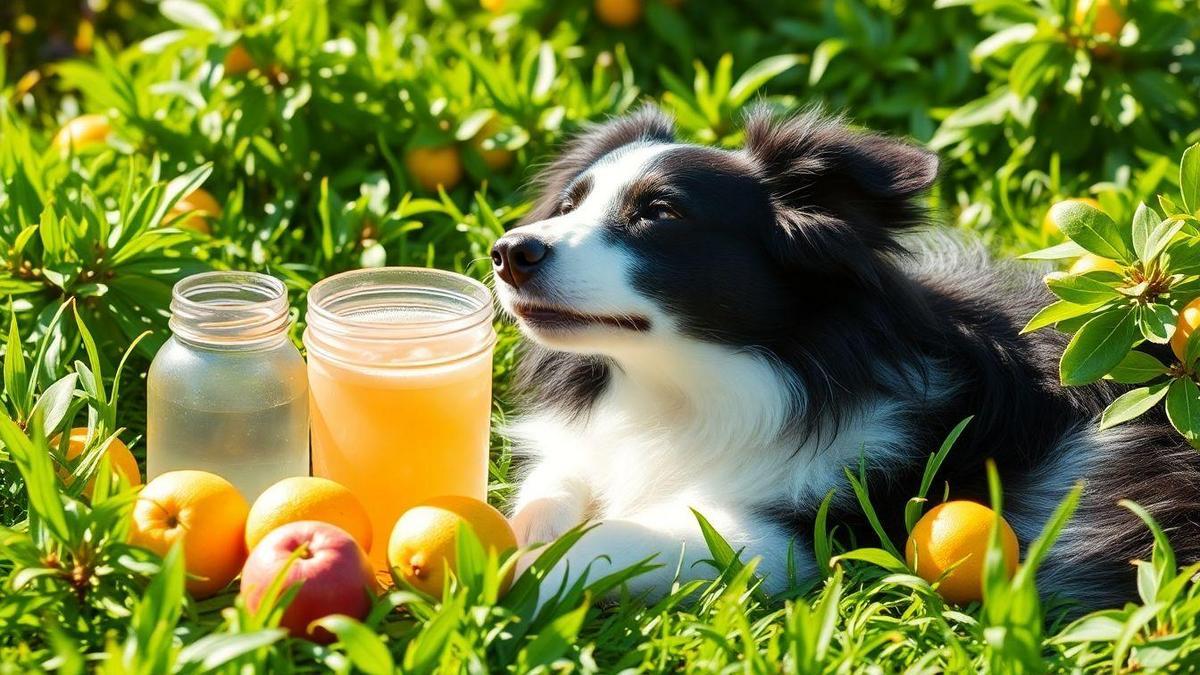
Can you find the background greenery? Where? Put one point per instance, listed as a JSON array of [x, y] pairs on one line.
[[310, 137]]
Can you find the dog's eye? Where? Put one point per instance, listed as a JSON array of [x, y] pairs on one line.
[[660, 210]]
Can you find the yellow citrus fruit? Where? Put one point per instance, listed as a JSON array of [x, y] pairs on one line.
[[1048, 225], [119, 456], [496, 158], [82, 132], [1090, 262], [201, 206], [952, 532], [432, 167], [619, 13], [424, 540], [1109, 20], [493, 6], [206, 513], [1189, 318], [308, 498], [238, 61]]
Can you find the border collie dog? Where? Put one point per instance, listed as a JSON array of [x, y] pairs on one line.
[[725, 331]]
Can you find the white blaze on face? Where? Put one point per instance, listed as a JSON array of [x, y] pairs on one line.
[[585, 272]]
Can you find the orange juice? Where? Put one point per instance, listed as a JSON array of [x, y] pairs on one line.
[[400, 378]]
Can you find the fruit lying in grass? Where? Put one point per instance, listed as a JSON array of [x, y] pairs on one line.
[[1090, 262], [329, 565], [619, 13], [307, 498], [206, 513], [431, 167], [957, 533], [82, 132], [1108, 23], [496, 158], [201, 206], [1051, 228], [1185, 325], [119, 456], [424, 541]]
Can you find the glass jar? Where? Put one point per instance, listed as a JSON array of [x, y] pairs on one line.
[[228, 392], [400, 369]]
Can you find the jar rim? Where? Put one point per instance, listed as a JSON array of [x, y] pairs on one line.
[[341, 286], [354, 313], [229, 307]]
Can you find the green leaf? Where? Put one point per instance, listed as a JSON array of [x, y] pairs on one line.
[[1059, 311], [1099, 346], [912, 510], [554, 640], [1183, 408], [1157, 322], [758, 75], [1092, 229], [876, 556], [364, 648], [1081, 289], [1063, 251], [1144, 220], [1137, 367], [1105, 627], [16, 375], [211, 652], [823, 55], [1132, 404], [1189, 179], [191, 14], [1160, 237]]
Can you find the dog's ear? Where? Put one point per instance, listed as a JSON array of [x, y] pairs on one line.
[[648, 123], [839, 195]]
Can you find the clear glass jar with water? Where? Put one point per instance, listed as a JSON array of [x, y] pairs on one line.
[[228, 392]]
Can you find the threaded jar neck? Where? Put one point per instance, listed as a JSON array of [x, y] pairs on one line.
[[230, 310], [398, 317]]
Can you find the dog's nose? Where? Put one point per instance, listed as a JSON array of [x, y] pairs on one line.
[[517, 257]]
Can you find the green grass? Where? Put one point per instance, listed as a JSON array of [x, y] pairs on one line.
[[306, 156]]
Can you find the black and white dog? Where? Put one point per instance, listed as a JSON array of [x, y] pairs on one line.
[[726, 330]]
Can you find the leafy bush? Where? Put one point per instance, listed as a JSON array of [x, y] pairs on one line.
[[322, 129]]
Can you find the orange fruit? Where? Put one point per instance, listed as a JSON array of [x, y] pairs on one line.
[[952, 532], [432, 167], [119, 456], [201, 205], [82, 132], [308, 498], [1051, 228], [1189, 318], [424, 541], [496, 158], [1108, 20], [1090, 262], [203, 511], [619, 13], [238, 61]]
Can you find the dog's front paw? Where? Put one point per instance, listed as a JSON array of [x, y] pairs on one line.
[[543, 520]]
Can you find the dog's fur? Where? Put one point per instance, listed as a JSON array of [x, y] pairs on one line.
[[772, 318]]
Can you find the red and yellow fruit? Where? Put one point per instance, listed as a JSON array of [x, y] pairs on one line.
[[948, 545], [326, 562], [1108, 21]]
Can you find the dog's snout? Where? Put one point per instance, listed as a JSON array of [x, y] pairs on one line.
[[517, 257]]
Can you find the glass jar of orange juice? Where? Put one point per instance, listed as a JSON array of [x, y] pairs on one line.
[[400, 380]]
